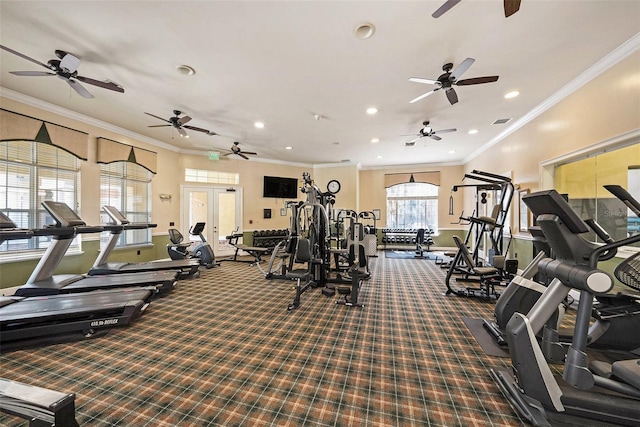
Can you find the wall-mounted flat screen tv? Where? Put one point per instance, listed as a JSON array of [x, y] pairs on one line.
[[281, 188]]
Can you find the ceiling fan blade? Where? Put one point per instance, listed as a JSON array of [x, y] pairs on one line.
[[24, 56], [511, 7], [183, 120], [415, 139], [158, 117], [436, 137], [200, 130], [477, 80], [424, 81], [243, 156], [79, 88], [452, 96], [250, 153], [461, 69], [444, 8], [69, 62], [183, 133], [32, 73], [445, 130], [105, 85], [158, 126], [424, 95]]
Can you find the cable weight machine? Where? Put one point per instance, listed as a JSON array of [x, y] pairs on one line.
[[479, 225], [319, 237]]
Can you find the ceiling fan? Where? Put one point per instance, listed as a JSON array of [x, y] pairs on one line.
[[65, 67], [179, 124], [235, 149], [510, 7], [450, 78], [427, 131]]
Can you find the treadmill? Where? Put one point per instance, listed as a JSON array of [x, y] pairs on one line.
[[186, 267], [36, 321], [42, 282]]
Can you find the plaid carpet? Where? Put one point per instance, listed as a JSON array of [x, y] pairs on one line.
[[222, 350]]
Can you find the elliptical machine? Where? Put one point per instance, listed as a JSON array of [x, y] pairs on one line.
[[609, 394], [202, 251]]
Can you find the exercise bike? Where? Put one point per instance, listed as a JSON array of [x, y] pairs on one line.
[[202, 251]]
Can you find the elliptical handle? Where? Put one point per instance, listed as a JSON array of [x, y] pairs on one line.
[[600, 232]]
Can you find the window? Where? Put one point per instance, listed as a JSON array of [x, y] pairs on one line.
[[211, 177], [127, 187], [31, 172], [583, 180], [412, 206]]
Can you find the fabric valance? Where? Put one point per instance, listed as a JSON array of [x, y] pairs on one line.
[[403, 178], [18, 127], [110, 151]]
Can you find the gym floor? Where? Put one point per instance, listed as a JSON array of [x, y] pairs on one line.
[[223, 350]]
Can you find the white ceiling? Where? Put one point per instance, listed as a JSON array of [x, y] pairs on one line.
[[284, 62]]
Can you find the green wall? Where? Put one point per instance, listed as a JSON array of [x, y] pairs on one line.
[[17, 273]]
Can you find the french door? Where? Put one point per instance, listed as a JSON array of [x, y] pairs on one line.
[[219, 207]]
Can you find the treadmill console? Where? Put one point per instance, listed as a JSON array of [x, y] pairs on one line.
[[63, 214], [5, 222], [116, 215]]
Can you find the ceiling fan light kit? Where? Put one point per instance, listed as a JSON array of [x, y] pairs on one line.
[[66, 68], [427, 131], [451, 78], [179, 124], [236, 150]]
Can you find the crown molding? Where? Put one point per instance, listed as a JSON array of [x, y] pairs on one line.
[[253, 159], [611, 59], [413, 166], [42, 105]]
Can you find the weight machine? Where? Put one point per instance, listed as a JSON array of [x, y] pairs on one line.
[[479, 225]]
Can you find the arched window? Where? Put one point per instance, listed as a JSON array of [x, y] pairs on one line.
[[412, 205]]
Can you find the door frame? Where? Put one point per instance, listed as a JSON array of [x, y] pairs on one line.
[[211, 209]]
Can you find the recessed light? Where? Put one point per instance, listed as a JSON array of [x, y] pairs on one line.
[[511, 94], [452, 151], [364, 31], [288, 147], [378, 157], [374, 140], [259, 125], [372, 110], [186, 70], [473, 131]]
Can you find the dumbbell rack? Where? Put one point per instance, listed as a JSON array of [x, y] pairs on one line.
[[399, 238], [269, 238]]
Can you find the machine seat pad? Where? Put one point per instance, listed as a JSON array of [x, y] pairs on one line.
[[485, 271], [251, 248]]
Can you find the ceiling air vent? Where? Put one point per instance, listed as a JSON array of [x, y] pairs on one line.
[[500, 121]]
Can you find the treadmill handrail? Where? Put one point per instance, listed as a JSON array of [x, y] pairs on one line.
[[15, 234]]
